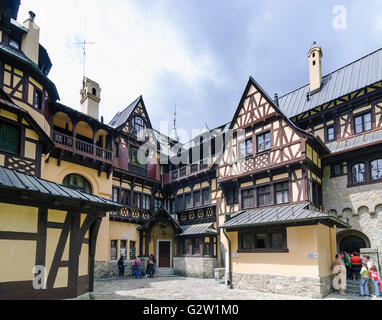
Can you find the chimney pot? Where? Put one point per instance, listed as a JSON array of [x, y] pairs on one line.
[[32, 15]]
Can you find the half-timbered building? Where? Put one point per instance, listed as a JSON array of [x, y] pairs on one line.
[[269, 197]]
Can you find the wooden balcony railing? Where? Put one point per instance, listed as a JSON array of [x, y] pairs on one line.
[[188, 170], [130, 214], [75, 145]]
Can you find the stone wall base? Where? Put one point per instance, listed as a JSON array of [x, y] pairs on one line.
[[105, 269], [313, 287], [195, 267]]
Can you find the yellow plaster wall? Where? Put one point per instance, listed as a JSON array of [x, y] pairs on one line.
[[61, 278], [301, 241], [30, 150], [18, 218], [17, 260], [83, 260]]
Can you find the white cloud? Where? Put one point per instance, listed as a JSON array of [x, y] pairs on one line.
[[133, 45]]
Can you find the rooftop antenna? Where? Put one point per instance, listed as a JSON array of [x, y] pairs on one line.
[[175, 116], [83, 45]]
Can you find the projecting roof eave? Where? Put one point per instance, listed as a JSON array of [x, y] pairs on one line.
[[327, 220], [39, 192]]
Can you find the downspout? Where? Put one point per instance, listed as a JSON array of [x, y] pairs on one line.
[[229, 273], [331, 245]]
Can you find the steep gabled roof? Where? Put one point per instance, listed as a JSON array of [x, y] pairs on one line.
[[163, 211], [356, 75], [121, 117]]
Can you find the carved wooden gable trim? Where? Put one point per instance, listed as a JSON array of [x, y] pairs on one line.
[[254, 108]]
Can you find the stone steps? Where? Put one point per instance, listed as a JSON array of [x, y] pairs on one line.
[[164, 272], [352, 287]]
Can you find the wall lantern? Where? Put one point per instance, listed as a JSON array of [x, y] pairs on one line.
[[163, 229]]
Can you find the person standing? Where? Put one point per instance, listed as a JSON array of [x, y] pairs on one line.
[[364, 282], [339, 270], [121, 266], [154, 260], [376, 280], [347, 264], [356, 265], [137, 267]]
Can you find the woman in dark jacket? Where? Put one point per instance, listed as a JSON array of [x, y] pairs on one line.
[[121, 266]]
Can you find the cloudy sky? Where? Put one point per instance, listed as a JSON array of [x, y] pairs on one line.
[[197, 54]]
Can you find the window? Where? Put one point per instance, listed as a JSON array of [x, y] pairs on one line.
[[277, 240], [133, 156], [187, 199], [247, 198], [37, 100], [115, 196], [94, 92], [132, 250], [124, 197], [14, 43], [172, 205], [113, 250], [362, 123], [261, 240], [146, 202], [330, 133], [9, 138], [186, 246], [136, 200], [232, 195], [263, 142], [282, 192], [196, 197], [337, 169], [245, 148], [116, 145], [358, 173], [196, 246], [179, 203], [316, 194], [137, 127], [77, 182], [122, 249], [376, 169], [273, 240], [206, 196], [157, 203], [263, 196]]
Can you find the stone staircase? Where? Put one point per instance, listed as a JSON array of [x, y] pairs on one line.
[[164, 272], [352, 288]]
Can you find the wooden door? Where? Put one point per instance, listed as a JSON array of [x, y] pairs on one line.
[[164, 254]]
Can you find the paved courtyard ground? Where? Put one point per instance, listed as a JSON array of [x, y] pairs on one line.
[[180, 288]]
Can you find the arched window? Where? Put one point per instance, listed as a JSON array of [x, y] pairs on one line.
[[78, 182], [376, 169], [358, 173], [137, 126]]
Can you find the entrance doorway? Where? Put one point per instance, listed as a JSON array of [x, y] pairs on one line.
[[164, 248], [352, 243]]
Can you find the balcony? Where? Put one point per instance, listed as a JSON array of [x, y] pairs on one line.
[[72, 144], [128, 214], [188, 170]]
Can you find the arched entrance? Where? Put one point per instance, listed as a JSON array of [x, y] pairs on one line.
[[352, 240]]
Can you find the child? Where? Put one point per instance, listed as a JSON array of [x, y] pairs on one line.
[[363, 285], [376, 280]]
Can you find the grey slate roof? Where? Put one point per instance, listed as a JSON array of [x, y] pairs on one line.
[[12, 179], [198, 229], [278, 215], [356, 75], [18, 54], [121, 117], [354, 142]]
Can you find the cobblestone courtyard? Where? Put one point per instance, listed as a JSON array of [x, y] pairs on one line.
[[180, 288]]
